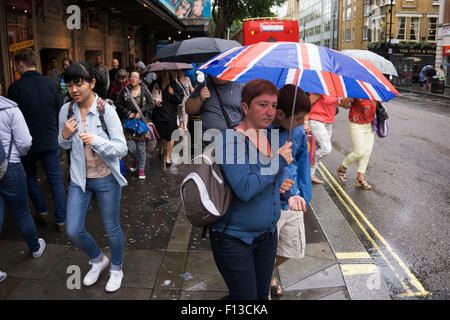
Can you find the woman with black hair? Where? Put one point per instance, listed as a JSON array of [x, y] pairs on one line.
[[138, 92], [166, 112], [91, 129]]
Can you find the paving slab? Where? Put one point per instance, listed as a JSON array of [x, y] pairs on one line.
[[341, 294], [295, 270], [31, 289], [330, 277], [8, 285], [203, 295], [165, 294], [128, 294], [364, 283], [319, 250], [172, 266], [340, 236], [141, 268], [313, 294], [17, 260], [202, 267]]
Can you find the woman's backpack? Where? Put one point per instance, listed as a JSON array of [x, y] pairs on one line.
[[205, 194], [4, 158]]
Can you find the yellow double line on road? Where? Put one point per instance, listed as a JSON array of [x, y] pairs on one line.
[[408, 280]]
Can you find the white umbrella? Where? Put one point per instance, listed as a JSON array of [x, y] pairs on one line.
[[385, 66]]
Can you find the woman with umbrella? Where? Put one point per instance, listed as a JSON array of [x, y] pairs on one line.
[[186, 85], [244, 240], [361, 116], [125, 108], [165, 114]]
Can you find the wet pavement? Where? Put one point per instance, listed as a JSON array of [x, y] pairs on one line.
[[424, 91], [165, 258]]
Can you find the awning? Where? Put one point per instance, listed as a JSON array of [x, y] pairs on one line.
[[148, 13]]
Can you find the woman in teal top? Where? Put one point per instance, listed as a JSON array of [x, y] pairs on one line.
[[244, 240]]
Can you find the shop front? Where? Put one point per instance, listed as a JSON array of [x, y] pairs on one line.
[[410, 61], [446, 62], [19, 30]]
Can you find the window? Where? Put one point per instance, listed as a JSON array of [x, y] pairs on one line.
[[432, 22], [347, 34], [401, 28], [317, 30], [366, 8], [414, 29], [348, 13], [365, 33]]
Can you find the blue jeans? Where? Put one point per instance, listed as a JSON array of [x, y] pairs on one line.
[[108, 192], [13, 192], [246, 269], [51, 163]]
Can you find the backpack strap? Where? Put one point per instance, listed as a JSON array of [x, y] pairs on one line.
[[101, 111], [70, 110], [222, 107]]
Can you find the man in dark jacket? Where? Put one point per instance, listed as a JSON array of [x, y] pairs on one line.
[[39, 100], [431, 72]]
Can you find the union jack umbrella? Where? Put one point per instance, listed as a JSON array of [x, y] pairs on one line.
[[313, 68]]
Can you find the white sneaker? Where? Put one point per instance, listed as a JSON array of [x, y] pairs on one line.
[[115, 280], [2, 276], [42, 245], [93, 274]]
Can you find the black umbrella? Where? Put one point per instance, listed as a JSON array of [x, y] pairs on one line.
[[197, 50]]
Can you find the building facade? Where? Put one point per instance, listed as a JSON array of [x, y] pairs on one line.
[[404, 31], [318, 23], [443, 39], [354, 28], [81, 29]]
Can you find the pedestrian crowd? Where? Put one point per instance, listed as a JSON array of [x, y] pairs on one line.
[[100, 116]]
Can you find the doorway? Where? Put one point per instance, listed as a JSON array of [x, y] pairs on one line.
[[47, 54], [90, 56]]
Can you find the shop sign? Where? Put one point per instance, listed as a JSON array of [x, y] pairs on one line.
[[21, 45], [446, 51], [446, 31], [417, 51]]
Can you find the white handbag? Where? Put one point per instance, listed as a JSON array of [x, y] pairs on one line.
[[156, 93]]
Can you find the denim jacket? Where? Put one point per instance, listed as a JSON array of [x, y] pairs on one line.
[[110, 149]]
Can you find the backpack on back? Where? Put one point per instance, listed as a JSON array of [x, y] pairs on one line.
[[205, 194], [4, 158]]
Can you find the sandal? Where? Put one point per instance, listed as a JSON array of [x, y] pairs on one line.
[[274, 290], [363, 184], [341, 172]]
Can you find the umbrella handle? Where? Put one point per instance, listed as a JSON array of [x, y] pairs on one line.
[[293, 110]]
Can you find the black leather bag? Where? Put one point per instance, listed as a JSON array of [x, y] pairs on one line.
[[381, 112]]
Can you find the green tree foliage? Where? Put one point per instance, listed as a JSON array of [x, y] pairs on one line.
[[225, 12]]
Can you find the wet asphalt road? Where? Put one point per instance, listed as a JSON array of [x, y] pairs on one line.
[[409, 205]]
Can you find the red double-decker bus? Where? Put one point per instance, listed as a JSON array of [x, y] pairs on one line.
[[269, 30]]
